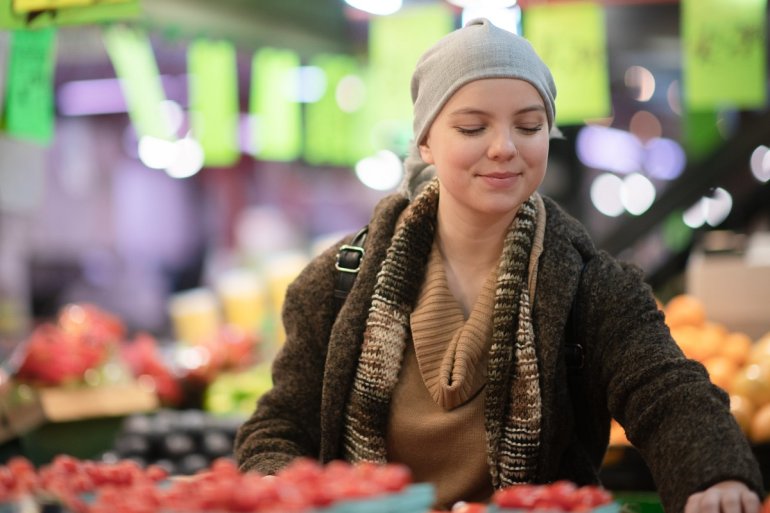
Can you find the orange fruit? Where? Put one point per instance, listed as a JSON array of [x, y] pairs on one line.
[[743, 411], [753, 382], [699, 343], [760, 425], [618, 434], [686, 337], [684, 310], [736, 346], [760, 351], [721, 370]]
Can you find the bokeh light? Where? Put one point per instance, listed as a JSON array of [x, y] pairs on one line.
[[711, 210], [380, 172], [187, 160], [379, 7], [490, 3], [609, 149], [350, 93], [664, 159], [718, 206], [311, 84], [605, 194], [645, 125], [507, 18], [154, 152], [637, 194], [674, 98], [760, 163], [641, 81]]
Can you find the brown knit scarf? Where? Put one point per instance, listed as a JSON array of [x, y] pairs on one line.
[[513, 404]]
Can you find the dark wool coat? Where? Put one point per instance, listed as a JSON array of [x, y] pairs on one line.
[[632, 371]]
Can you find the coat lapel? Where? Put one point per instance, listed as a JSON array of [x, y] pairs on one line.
[[347, 332], [558, 275]]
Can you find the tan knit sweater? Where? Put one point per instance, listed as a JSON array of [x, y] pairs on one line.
[[436, 423]]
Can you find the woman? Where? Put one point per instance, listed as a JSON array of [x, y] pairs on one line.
[[450, 353]]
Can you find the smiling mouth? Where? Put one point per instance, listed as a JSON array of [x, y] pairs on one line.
[[499, 176]]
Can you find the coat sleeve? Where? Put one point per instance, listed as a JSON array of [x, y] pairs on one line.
[[677, 419], [286, 422]]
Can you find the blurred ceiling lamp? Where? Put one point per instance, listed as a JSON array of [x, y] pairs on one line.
[[641, 81], [188, 158], [380, 172], [154, 152], [181, 159], [486, 3], [637, 194], [606, 194], [379, 7], [760, 163], [506, 18]]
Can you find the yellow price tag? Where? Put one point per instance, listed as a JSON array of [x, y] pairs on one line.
[[42, 5]]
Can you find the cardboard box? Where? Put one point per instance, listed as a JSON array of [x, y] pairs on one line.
[[734, 285], [24, 408]]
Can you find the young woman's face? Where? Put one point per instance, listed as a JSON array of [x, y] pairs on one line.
[[489, 145]]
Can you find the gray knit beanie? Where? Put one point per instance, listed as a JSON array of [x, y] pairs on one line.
[[476, 51]]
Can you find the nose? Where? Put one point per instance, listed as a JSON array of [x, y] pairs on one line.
[[502, 147]]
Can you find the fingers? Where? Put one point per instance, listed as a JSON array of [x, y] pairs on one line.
[[721, 500], [751, 502]]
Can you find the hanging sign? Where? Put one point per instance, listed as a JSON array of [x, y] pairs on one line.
[[214, 106], [330, 131], [276, 115], [724, 53], [4, 39], [94, 12], [132, 57], [571, 40], [396, 42], [29, 107]]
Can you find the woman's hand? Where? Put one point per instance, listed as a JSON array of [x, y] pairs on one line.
[[724, 497]]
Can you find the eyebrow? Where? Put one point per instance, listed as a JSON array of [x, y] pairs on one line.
[[471, 110]]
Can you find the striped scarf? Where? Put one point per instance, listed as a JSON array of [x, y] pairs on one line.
[[513, 404]]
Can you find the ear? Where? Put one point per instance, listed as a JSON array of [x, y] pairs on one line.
[[426, 154]]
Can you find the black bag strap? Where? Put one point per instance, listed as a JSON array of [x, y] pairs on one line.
[[349, 258]]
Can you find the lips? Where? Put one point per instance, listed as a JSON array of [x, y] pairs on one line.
[[500, 179], [499, 176]]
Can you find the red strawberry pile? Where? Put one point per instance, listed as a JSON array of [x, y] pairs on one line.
[[73, 348], [124, 487], [63, 351], [557, 496]]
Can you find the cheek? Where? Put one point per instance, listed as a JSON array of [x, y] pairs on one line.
[[462, 154], [534, 152]]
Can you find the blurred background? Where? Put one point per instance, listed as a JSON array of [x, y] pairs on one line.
[[153, 148], [174, 163]]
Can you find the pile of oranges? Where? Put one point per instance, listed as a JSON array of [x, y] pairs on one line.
[[735, 362]]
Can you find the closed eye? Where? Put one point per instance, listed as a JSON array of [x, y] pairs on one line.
[[470, 131], [531, 129]]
